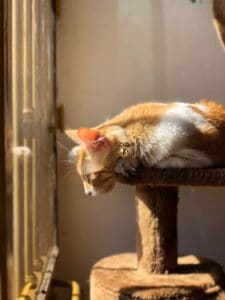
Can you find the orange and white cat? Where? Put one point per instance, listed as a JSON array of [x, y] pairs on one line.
[[173, 135]]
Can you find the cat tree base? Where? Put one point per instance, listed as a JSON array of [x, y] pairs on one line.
[[117, 278], [155, 272]]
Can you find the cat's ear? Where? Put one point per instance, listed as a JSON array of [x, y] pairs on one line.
[[72, 134], [88, 135], [83, 135], [93, 140]]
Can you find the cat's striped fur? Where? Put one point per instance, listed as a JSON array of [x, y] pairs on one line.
[[153, 135]]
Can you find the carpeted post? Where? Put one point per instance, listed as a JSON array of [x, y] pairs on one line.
[[156, 228]]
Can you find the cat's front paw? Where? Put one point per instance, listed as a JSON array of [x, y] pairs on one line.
[[125, 168]]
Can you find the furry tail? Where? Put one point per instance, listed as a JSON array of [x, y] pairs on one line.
[[219, 19]]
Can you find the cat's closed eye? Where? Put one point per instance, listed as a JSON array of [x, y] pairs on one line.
[[97, 178], [90, 178], [93, 177]]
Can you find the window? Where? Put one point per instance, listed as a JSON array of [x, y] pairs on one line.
[[29, 218]]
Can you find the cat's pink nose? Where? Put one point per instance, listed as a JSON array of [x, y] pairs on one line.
[[89, 191]]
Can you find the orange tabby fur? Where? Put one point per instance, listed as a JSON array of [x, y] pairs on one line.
[[150, 134]]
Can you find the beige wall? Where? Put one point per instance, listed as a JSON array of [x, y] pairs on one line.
[[112, 54]]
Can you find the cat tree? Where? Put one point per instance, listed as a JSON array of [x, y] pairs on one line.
[[155, 272]]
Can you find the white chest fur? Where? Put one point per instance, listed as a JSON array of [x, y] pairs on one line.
[[167, 145]]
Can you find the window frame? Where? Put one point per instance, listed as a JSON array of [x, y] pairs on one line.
[[38, 289]]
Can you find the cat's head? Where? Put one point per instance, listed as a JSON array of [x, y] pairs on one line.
[[97, 157]]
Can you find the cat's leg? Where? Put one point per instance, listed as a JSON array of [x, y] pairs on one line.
[[127, 162], [125, 167], [186, 158]]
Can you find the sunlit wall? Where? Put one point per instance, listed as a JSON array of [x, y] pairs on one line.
[[111, 54]]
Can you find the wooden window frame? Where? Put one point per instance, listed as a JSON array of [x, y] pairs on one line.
[[3, 257], [44, 275]]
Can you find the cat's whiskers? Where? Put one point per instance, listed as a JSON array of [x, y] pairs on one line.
[[69, 173], [67, 161], [68, 168], [62, 146]]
